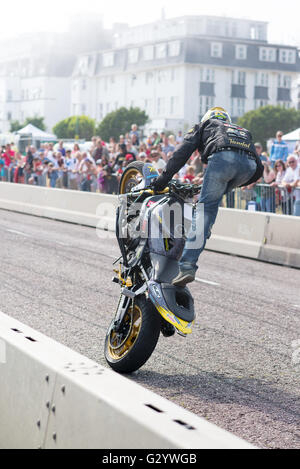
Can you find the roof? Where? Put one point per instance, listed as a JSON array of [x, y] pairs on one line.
[[294, 135], [36, 133]]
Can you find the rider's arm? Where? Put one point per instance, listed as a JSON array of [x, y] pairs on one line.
[[180, 156]]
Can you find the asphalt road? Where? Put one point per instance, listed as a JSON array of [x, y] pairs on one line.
[[238, 368]]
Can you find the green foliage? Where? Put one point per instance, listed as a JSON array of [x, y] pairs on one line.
[[15, 126], [264, 122], [82, 127], [119, 122], [36, 121]]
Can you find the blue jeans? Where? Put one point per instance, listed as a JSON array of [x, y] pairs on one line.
[[225, 171], [297, 208]]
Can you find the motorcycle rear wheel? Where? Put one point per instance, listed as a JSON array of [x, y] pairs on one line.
[[129, 349], [131, 177]]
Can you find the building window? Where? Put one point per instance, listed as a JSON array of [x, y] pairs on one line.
[[83, 85], [108, 59], [284, 81], [216, 49], [237, 107], [287, 56], [260, 103], [148, 52], [174, 104], [206, 102], [267, 54], [133, 55], [9, 116], [261, 79], [160, 106], [161, 51], [148, 77], [9, 95], [83, 65], [238, 77], [240, 52], [207, 74], [83, 109], [174, 48]]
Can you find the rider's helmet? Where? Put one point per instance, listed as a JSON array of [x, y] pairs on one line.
[[217, 113]]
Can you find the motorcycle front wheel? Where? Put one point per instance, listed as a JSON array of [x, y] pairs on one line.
[[127, 349]]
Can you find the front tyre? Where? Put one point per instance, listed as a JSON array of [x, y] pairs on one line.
[[129, 348]]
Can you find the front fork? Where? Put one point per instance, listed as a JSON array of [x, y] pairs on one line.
[[128, 294]]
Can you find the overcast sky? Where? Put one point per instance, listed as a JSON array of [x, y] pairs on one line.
[[54, 15]]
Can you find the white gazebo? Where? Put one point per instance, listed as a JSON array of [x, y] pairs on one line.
[[36, 134], [291, 139]]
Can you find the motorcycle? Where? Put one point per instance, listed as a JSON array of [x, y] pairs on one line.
[[151, 241]]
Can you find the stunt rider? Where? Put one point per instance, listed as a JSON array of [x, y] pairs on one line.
[[231, 160]]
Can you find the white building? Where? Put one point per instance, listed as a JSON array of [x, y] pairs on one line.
[[35, 80], [175, 69]]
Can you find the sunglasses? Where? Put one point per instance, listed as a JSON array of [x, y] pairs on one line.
[[292, 162]]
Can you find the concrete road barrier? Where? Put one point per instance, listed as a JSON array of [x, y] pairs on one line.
[[238, 232], [53, 397], [84, 208], [257, 235]]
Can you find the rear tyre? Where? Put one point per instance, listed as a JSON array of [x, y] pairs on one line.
[[131, 177], [128, 349]]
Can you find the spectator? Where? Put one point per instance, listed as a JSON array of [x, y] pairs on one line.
[[134, 135], [120, 156], [189, 175], [166, 146], [266, 191], [131, 149], [61, 148], [279, 149], [158, 163], [98, 152], [179, 137], [259, 151], [289, 182]]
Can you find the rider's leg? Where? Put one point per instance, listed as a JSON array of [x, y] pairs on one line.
[[225, 171]]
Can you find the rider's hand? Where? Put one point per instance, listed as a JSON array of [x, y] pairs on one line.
[[158, 184]]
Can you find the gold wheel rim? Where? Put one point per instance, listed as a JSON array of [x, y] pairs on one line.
[[129, 176], [118, 350]]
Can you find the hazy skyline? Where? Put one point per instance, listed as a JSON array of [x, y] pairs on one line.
[[35, 16]]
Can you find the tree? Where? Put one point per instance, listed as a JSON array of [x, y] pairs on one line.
[[36, 121], [75, 126], [15, 126], [264, 122], [120, 121]]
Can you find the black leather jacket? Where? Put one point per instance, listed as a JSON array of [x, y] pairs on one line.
[[210, 137]]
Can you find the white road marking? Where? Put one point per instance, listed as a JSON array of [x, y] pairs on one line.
[[207, 281], [296, 306], [19, 233]]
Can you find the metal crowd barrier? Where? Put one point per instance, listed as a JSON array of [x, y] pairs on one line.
[[63, 179], [265, 198]]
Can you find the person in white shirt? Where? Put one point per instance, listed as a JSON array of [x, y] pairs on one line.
[[291, 183], [158, 163]]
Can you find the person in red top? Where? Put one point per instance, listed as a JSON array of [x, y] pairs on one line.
[[8, 155], [189, 175]]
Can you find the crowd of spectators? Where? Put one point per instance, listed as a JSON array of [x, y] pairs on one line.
[[98, 167]]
